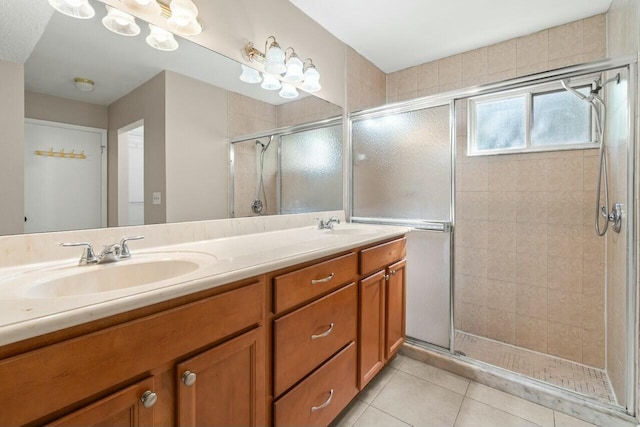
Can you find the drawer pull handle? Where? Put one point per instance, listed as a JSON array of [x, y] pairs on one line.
[[325, 404], [324, 334], [325, 280]]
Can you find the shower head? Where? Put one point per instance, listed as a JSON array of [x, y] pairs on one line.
[[264, 146], [259, 143], [565, 84]]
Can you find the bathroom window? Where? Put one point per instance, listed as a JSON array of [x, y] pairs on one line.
[[536, 118]]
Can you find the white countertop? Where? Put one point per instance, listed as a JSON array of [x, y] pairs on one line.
[[222, 261]]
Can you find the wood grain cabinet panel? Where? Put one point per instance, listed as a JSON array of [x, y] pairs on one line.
[[395, 308], [379, 256], [123, 409], [318, 399], [227, 384], [307, 337], [371, 341], [303, 285]]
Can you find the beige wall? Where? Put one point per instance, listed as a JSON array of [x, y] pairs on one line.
[[146, 102], [229, 25], [54, 109], [623, 38], [196, 147], [366, 83], [529, 270], [12, 159], [305, 110]]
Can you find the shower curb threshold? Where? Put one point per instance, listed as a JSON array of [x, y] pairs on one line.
[[521, 386]]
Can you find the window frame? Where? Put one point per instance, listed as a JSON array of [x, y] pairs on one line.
[[527, 92]]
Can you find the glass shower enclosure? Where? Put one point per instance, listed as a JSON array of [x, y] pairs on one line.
[[402, 175]]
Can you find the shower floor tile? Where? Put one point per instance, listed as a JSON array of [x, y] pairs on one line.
[[570, 375]]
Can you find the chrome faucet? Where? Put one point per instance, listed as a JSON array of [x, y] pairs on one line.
[[110, 253], [328, 224]]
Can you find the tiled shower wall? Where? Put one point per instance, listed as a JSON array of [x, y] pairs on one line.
[[529, 269]]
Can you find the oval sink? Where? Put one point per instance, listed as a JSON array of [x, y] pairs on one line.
[[70, 281]]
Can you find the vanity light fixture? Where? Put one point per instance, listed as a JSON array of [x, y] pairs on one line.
[[80, 9], [161, 39], [288, 91], [184, 18], [250, 75], [278, 62], [84, 84], [269, 82], [120, 22]]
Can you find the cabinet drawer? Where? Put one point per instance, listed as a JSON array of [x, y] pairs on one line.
[[307, 337], [319, 399], [302, 285], [377, 257]]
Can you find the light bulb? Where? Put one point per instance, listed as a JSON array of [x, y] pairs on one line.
[[120, 22], [249, 75], [270, 83], [80, 9], [274, 60], [161, 39], [288, 91]]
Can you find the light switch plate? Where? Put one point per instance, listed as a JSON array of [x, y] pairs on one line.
[[157, 198]]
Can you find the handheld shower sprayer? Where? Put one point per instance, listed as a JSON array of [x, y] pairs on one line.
[[259, 205]]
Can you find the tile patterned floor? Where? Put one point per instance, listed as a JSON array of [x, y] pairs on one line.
[[410, 393], [573, 376]]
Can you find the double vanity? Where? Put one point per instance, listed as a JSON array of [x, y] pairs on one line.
[[274, 328]]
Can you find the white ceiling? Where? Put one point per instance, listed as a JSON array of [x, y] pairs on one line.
[[396, 34]]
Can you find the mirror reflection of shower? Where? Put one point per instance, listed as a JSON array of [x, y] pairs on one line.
[[613, 215], [260, 203]]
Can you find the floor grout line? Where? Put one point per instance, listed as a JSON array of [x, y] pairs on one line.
[[433, 383], [510, 413]]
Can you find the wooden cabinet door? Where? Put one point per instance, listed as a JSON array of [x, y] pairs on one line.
[[123, 408], [229, 387], [371, 327], [395, 308]]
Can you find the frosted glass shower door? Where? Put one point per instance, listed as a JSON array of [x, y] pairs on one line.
[[311, 170], [402, 175]]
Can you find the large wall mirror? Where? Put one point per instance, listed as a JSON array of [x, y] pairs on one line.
[[119, 133]]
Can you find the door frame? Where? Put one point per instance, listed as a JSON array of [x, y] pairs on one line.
[[103, 162]]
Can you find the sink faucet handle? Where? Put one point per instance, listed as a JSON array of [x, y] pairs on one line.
[[88, 255], [124, 248]]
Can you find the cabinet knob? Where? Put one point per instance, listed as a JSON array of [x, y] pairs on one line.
[[149, 399], [386, 277], [189, 378], [393, 272]]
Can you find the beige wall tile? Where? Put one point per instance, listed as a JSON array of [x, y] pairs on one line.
[[565, 40], [531, 301], [474, 63], [527, 70], [475, 319], [474, 289], [501, 326], [450, 70], [565, 307], [565, 240], [531, 333], [501, 57], [593, 277], [565, 273], [474, 205], [566, 174], [502, 175], [501, 236], [532, 207], [471, 261], [472, 233], [593, 311], [502, 206], [532, 49], [502, 75], [531, 269], [501, 295], [532, 175], [501, 265], [593, 347], [564, 341], [531, 238], [475, 176], [428, 75], [594, 34], [566, 207], [566, 61]]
